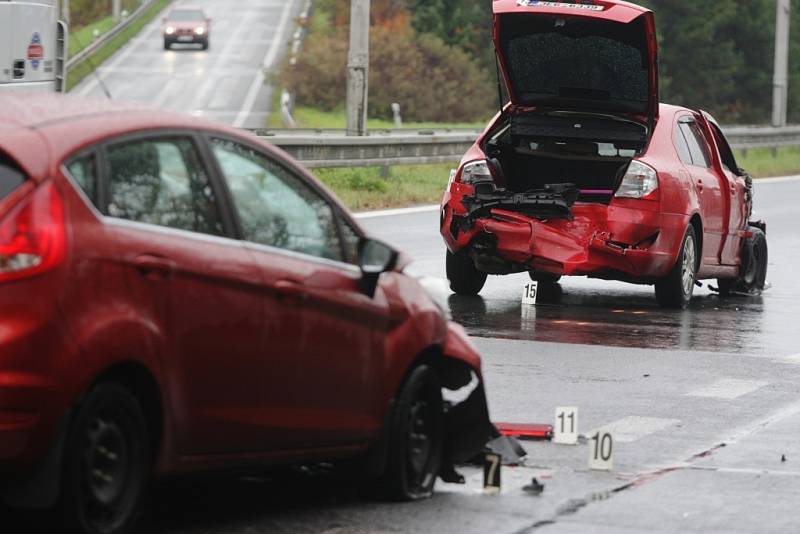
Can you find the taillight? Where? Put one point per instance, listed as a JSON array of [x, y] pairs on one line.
[[33, 236], [640, 181], [474, 172]]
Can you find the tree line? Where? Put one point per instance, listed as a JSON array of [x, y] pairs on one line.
[[435, 57]]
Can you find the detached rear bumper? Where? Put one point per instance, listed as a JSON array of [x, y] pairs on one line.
[[627, 239]]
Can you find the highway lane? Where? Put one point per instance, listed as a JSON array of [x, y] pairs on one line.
[[704, 406], [225, 83]]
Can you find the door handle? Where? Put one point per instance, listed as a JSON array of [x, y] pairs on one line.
[[289, 289], [700, 185], [154, 267]]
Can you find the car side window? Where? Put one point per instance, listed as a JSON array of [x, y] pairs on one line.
[[698, 146], [275, 207], [682, 147], [83, 171], [725, 152], [351, 239], [162, 182]]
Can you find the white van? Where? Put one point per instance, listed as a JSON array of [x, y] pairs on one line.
[[33, 46]]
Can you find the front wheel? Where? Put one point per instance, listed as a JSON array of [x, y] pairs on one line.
[[755, 256], [106, 463], [676, 289], [464, 277], [416, 437], [544, 278]]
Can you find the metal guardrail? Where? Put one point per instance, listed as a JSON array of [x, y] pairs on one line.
[[104, 39], [332, 148]]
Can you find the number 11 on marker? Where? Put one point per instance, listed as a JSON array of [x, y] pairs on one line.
[[565, 430]]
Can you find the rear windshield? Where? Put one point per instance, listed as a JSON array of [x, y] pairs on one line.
[[554, 60], [10, 178], [188, 15]]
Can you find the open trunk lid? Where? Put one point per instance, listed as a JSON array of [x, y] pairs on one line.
[[597, 56]]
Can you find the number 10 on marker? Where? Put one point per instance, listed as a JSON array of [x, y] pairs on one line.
[[601, 447], [565, 429]]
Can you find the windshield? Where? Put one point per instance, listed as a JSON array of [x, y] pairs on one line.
[[187, 15], [557, 61]]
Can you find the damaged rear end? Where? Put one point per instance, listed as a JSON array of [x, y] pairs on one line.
[[560, 183]]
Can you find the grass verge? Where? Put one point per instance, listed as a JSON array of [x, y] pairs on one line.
[[76, 75], [83, 37], [365, 189], [764, 163]]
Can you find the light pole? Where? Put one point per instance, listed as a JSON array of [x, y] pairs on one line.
[[358, 68], [65, 11], [780, 96], [116, 10]]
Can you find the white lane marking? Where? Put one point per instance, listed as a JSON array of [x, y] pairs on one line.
[[728, 388], [777, 180], [258, 81], [164, 94], [793, 359], [391, 213], [633, 428]]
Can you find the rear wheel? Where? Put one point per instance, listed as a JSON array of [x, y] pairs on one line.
[[676, 289], [416, 437], [167, 44], [755, 257], [544, 278], [464, 277], [205, 44], [106, 462]]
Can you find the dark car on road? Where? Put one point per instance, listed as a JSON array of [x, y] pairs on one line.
[[187, 25], [585, 173], [178, 296]]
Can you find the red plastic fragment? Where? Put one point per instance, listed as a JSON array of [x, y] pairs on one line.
[[522, 430]]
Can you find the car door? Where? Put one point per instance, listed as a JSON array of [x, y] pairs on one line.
[[709, 188], [736, 186], [165, 213], [325, 336]]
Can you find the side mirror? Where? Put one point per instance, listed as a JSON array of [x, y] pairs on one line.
[[374, 259]]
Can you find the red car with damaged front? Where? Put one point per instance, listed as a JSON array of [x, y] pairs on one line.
[[178, 296], [585, 173]]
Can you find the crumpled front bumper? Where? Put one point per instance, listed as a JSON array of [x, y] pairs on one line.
[[627, 238]]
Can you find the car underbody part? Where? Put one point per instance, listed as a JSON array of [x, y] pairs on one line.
[[508, 448]]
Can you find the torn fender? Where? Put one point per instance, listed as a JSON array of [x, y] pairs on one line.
[[467, 424]]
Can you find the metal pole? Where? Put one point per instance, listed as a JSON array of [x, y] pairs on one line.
[[358, 68], [780, 95], [65, 11], [116, 10]]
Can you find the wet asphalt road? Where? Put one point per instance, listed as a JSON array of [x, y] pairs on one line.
[[224, 83], [704, 406]]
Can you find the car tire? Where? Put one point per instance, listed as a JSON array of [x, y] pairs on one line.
[[676, 289], [544, 278], [167, 44], [106, 463], [755, 261], [205, 44], [416, 438], [464, 277]]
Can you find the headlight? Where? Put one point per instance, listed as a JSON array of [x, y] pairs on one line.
[[639, 181], [170, 30], [200, 31], [438, 290], [477, 171]]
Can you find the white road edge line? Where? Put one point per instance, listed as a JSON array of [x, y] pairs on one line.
[[400, 211], [728, 389], [634, 427], [777, 180], [258, 81]]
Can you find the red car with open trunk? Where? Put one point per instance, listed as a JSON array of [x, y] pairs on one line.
[[178, 296], [585, 173]]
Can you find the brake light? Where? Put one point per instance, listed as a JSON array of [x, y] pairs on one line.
[[33, 235], [640, 181], [474, 172]]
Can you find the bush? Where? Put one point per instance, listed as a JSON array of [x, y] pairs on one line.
[[432, 82], [83, 12]]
